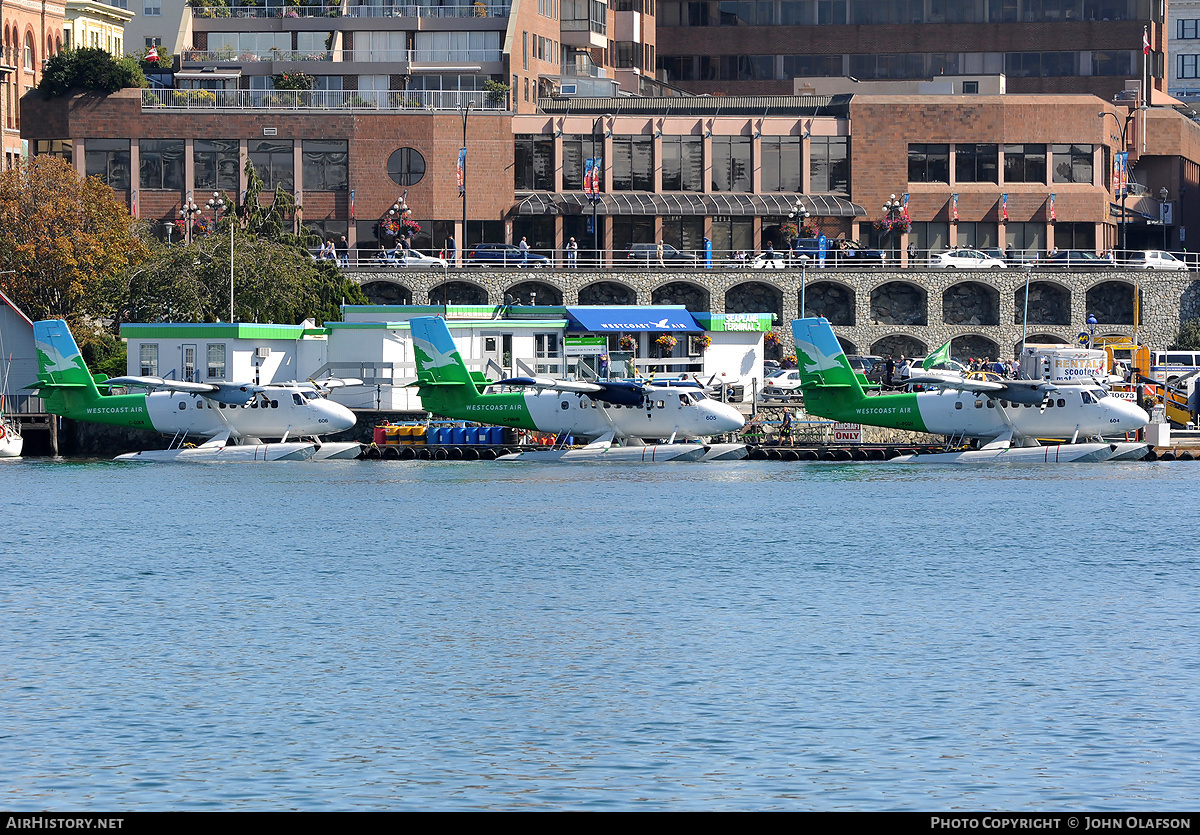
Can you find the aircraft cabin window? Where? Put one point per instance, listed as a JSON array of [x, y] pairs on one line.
[[566, 405], [660, 404], [978, 404], [958, 404], [991, 404], [297, 399], [182, 405], [1061, 403], [274, 404]]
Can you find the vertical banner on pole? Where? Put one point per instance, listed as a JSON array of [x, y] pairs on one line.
[[461, 170]]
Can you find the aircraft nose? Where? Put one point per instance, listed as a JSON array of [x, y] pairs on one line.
[[1133, 416], [340, 418], [728, 419]]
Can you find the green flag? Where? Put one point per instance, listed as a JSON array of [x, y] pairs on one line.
[[938, 357]]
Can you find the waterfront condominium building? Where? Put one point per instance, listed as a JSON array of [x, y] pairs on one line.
[[1042, 46]]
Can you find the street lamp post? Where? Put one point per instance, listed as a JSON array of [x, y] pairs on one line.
[[592, 191], [800, 214], [218, 206], [893, 211], [1125, 175], [462, 181], [1162, 199], [189, 210]]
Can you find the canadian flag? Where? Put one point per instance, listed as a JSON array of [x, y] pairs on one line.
[[152, 55], [1145, 41]]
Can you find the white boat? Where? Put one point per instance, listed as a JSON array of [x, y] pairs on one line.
[[11, 442], [1048, 454]]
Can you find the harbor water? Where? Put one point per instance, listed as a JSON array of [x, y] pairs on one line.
[[750, 635]]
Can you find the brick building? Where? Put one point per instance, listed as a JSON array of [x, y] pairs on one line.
[[33, 31]]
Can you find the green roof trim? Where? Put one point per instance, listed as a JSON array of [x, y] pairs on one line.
[[495, 324], [728, 322], [217, 330]]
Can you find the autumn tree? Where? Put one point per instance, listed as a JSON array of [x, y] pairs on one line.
[[66, 242]]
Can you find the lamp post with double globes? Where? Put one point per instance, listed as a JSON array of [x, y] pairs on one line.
[[800, 214], [218, 206], [189, 211]]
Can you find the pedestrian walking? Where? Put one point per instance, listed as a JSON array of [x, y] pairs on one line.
[[524, 247], [658, 250], [572, 253]]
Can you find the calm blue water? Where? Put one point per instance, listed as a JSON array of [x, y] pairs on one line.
[[391, 635]]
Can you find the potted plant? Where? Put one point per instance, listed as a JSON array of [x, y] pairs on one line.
[[627, 343], [666, 343], [700, 343]]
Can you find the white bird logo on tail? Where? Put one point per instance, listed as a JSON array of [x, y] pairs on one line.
[[437, 359], [819, 361]]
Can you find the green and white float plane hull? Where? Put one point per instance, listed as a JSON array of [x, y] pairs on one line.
[[601, 411], [231, 417], [1006, 417]]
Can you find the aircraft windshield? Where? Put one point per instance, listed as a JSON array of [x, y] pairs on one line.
[[1099, 394], [310, 395]]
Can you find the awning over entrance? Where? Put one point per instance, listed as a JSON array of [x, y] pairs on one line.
[[629, 318], [627, 203]]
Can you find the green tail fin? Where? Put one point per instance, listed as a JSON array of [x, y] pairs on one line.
[[64, 381], [443, 381], [831, 388]]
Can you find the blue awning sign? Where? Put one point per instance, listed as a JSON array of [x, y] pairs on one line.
[[630, 318]]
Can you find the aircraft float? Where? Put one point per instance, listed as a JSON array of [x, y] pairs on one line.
[[603, 412], [1006, 417], [232, 417]]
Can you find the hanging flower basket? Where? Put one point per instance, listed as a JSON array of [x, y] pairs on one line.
[[788, 362], [627, 343], [666, 341], [700, 343], [771, 339]]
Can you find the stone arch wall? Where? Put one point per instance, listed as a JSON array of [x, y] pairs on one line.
[[971, 303], [534, 292], [386, 291], [898, 345], [973, 345], [690, 295], [754, 297], [833, 300], [900, 303], [607, 293], [1111, 302], [458, 292], [1049, 304], [847, 346], [1189, 302]]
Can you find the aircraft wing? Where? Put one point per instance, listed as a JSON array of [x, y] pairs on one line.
[[157, 383], [337, 382], [616, 391], [1018, 391]]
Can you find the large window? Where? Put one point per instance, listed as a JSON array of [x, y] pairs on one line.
[[108, 159], [976, 163], [829, 165], [731, 163], [60, 148], [576, 149], [1187, 29], [1188, 66], [1073, 164], [533, 164], [148, 360], [683, 163], [272, 159], [326, 165], [633, 163], [161, 164], [216, 362], [781, 163], [928, 163], [1024, 163], [216, 164]]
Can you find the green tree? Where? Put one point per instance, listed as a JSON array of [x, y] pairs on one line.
[[65, 241], [1188, 337], [89, 69]]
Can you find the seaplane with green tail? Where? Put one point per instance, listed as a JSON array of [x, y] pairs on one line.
[[617, 417], [1008, 420], [232, 418]]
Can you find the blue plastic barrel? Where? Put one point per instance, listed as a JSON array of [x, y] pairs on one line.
[[458, 435], [495, 435]]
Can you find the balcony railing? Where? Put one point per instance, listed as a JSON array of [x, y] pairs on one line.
[[456, 10], [408, 56], [379, 100], [216, 12]]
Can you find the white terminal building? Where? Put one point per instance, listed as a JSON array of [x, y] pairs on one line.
[[373, 343]]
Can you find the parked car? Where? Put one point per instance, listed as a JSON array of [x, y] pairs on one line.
[[1154, 259], [965, 259], [769, 261], [1074, 259], [672, 257], [502, 255], [783, 384], [838, 253], [869, 365], [410, 259]]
